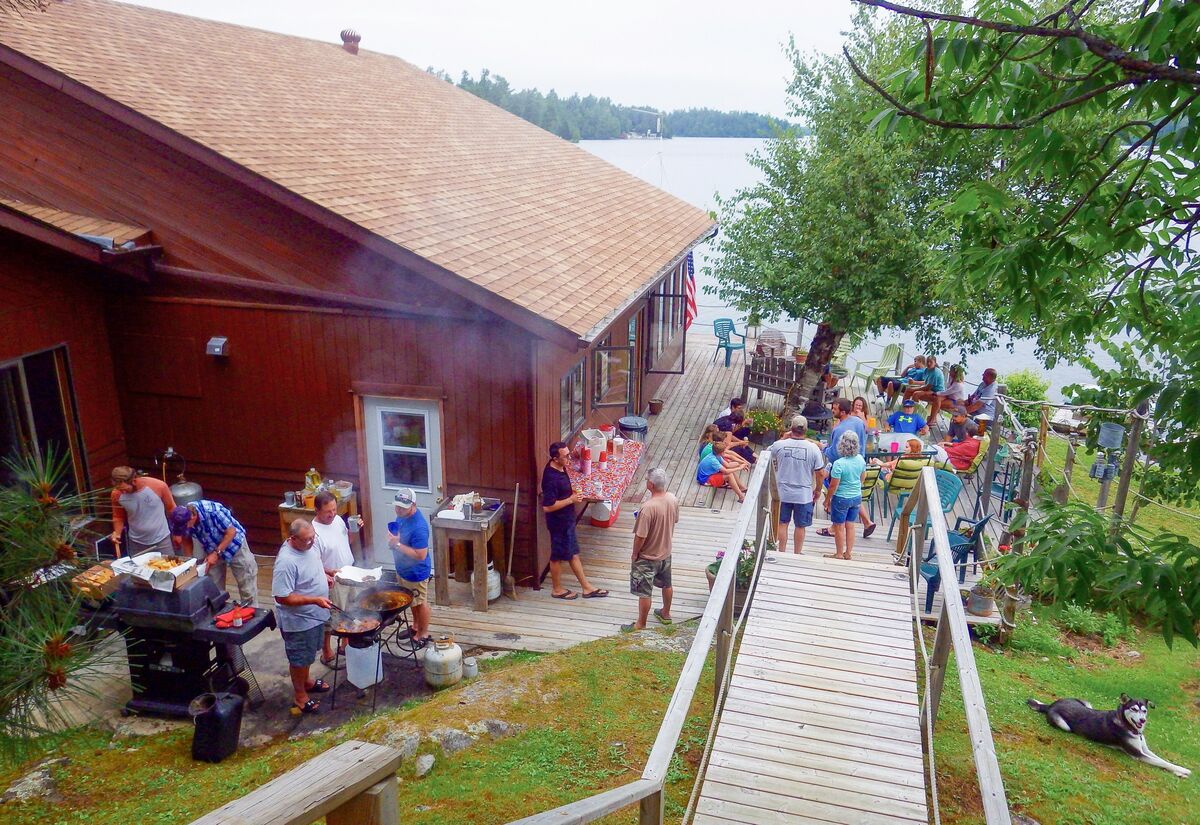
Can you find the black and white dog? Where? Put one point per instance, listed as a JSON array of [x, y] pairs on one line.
[[1124, 727]]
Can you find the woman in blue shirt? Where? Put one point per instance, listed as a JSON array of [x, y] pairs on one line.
[[844, 496]]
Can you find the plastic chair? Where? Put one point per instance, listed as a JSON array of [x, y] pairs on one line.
[[876, 369], [870, 482], [901, 482], [949, 486], [962, 546], [724, 329], [932, 574]]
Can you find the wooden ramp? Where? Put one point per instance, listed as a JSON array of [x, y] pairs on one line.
[[820, 722]]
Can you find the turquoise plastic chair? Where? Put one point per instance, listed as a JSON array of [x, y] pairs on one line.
[[962, 547], [949, 486], [724, 329]]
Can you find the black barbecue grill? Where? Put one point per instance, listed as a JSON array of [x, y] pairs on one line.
[[176, 651]]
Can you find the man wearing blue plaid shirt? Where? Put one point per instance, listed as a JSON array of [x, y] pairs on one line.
[[223, 541]]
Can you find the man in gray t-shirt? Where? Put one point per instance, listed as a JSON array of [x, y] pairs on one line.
[[799, 469], [301, 591]]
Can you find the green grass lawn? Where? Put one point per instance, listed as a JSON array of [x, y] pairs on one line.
[[589, 716], [1151, 517], [1058, 778]]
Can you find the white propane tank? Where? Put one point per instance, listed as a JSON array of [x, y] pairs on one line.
[[470, 667], [493, 582], [443, 663], [364, 666]]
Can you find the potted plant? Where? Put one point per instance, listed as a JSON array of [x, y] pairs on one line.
[[753, 322], [745, 569], [800, 354], [656, 405], [981, 598], [764, 425]]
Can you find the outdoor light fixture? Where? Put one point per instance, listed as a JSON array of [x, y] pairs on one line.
[[217, 345]]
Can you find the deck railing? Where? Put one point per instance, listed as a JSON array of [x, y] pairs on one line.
[[717, 624], [951, 632]]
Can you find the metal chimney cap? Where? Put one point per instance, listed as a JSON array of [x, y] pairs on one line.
[[350, 40]]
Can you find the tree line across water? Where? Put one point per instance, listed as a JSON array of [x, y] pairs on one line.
[[598, 118]]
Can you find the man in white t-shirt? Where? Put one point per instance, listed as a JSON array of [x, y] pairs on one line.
[[799, 469], [333, 544]]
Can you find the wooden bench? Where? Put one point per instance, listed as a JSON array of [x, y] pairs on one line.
[[351, 784]]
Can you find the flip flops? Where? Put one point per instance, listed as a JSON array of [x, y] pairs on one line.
[[319, 686], [629, 628], [824, 531], [658, 614], [311, 706], [566, 595], [596, 594], [870, 528]]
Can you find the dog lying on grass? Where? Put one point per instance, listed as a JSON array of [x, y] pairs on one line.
[[1124, 727]]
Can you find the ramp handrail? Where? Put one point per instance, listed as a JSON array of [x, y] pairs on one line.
[[715, 623], [951, 632]]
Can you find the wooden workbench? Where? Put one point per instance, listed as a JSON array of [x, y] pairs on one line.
[[479, 532]]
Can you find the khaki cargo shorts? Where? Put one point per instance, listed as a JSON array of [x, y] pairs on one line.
[[645, 575], [420, 591]]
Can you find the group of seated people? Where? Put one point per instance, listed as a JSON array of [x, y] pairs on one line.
[[923, 381], [724, 451]]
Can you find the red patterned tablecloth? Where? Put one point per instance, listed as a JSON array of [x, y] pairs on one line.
[[609, 484]]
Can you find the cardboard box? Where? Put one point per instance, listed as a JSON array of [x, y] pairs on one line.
[[164, 580], [97, 582]]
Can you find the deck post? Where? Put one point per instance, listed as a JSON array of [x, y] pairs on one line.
[[724, 638], [984, 500], [1026, 488], [650, 810], [1132, 448], [1063, 491], [937, 670]]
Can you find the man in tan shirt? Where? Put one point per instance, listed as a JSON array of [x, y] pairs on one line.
[[142, 504], [653, 531]]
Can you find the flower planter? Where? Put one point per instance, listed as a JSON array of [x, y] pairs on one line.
[[739, 592], [980, 604], [656, 406]]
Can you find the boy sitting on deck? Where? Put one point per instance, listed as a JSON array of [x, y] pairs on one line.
[[714, 471]]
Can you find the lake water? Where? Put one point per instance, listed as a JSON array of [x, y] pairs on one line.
[[695, 169]]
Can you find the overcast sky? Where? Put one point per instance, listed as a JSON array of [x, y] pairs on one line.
[[665, 53]]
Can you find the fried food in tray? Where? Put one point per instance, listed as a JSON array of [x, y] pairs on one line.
[[97, 576], [165, 563]]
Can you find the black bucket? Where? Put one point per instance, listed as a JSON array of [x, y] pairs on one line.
[[218, 719]]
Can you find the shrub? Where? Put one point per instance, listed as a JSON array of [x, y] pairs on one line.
[[1114, 629], [1079, 620], [1026, 385], [1038, 640]]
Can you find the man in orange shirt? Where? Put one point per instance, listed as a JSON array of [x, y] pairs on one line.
[[142, 504]]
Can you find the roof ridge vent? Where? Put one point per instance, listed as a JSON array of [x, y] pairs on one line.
[[350, 40]]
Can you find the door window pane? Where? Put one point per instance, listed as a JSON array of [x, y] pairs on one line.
[[401, 429], [406, 470]]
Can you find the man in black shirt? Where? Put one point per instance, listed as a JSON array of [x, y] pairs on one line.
[[734, 424], [558, 503]]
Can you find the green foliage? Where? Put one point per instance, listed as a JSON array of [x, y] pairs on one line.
[[1112, 129], [598, 118], [1039, 639], [1080, 620], [1026, 385], [1074, 556], [41, 659]]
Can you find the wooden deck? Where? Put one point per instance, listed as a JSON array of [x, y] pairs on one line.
[[537, 622], [821, 721], [693, 401]]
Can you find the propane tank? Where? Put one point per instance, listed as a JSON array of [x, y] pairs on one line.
[[183, 491], [493, 582], [443, 663]]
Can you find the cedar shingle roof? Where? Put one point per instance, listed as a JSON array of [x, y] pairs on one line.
[[75, 223], [376, 140]]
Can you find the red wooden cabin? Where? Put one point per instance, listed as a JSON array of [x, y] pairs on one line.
[[416, 287]]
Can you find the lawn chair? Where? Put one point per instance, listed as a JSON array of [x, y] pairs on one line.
[[970, 476], [837, 363], [724, 329], [966, 544], [771, 342], [868, 371], [901, 482], [932, 574], [949, 486], [870, 482]]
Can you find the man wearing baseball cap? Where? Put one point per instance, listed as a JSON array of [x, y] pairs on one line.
[[410, 554], [223, 540], [907, 419]]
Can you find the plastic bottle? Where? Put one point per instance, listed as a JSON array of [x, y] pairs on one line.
[[585, 465], [603, 461], [312, 479]]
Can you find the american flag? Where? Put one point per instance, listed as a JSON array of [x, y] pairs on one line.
[[689, 308]]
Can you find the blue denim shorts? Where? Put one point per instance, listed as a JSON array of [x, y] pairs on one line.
[[802, 514], [844, 509]]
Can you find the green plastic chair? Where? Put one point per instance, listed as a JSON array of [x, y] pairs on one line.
[[724, 329]]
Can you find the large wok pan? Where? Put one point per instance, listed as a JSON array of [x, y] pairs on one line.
[[385, 599], [360, 628]]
